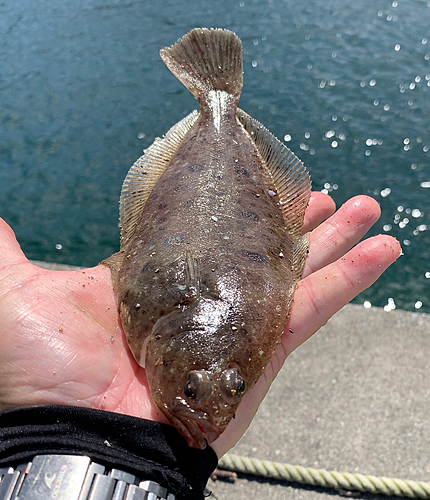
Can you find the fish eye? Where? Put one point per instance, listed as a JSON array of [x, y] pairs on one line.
[[198, 386], [232, 385]]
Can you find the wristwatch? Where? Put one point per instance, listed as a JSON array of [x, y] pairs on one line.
[[74, 477]]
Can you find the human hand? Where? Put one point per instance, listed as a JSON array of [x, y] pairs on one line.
[[61, 342], [333, 276]]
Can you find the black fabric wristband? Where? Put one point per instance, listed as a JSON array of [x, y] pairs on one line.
[[145, 448]]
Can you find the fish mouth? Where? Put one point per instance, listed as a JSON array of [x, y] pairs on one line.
[[195, 427]]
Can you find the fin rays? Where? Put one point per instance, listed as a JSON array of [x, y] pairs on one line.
[[205, 60], [290, 179], [144, 174]]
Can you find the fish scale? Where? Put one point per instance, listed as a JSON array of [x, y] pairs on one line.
[[211, 245]]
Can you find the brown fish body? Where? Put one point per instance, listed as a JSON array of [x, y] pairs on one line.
[[206, 274]]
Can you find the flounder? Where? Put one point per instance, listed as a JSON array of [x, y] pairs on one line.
[[211, 245]]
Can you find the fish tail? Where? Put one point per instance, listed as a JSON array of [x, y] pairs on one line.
[[205, 60]]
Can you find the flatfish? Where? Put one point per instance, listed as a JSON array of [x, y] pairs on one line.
[[211, 245]]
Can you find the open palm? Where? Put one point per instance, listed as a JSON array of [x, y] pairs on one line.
[[61, 340]]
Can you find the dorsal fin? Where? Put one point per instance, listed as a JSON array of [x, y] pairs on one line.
[[144, 174], [205, 60], [291, 181]]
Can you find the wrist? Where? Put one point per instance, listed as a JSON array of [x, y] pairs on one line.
[[71, 477], [146, 449]]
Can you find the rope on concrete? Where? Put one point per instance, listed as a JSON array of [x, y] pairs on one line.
[[326, 479]]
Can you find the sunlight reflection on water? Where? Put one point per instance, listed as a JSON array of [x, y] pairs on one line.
[[345, 84]]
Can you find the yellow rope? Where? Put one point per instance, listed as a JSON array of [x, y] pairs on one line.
[[326, 479]]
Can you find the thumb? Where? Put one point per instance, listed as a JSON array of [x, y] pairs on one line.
[[11, 252]]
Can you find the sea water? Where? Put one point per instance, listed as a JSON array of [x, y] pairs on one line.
[[346, 85]]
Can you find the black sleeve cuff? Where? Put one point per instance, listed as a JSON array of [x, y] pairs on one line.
[[148, 449]]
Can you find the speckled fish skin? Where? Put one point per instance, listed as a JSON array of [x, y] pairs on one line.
[[209, 260]]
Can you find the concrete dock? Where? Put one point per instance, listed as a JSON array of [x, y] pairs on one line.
[[354, 398]]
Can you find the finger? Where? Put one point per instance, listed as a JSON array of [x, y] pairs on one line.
[[320, 207], [11, 252], [344, 229], [317, 298], [326, 291]]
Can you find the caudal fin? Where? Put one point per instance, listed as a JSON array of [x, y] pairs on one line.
[[205, 60]]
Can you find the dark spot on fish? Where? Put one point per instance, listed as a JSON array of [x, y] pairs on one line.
[[162, 220], [254, 256], [145, 267], [250, 215], [195, 168], [241, 170], [190, 203], [174, 240], [162, 206]]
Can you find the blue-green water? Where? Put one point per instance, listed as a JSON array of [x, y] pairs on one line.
[[83, 91]]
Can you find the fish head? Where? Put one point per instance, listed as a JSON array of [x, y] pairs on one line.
[[201, 406], [196, 376]]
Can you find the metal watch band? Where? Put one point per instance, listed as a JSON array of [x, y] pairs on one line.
[[73, 477]]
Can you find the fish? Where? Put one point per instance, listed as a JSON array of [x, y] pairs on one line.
[[211, 245]]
